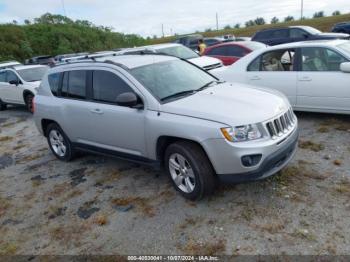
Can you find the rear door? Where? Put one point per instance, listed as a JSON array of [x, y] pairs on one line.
[[3, 86], [275, 69], [220, 52], [321, 85], [280, 36]]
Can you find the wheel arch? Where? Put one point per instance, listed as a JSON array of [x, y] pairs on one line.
[[164, 141], [25, 93], [45, 123]]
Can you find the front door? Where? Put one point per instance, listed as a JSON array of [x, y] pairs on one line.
[[321, 85]]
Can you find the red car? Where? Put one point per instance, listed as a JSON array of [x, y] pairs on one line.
[[230, 52]]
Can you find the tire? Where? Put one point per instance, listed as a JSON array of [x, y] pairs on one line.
[[59, 143], [28, 99], [3, 106], [190, 170]]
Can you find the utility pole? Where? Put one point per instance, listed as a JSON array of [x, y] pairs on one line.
[[217, 22], [162, 30], [302, 10], [64, 8]]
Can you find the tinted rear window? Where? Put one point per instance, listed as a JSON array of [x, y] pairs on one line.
[[54, 80]]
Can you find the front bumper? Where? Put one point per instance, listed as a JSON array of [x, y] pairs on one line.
[[275, 156]]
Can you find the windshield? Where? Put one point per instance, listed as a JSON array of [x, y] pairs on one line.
[[179, 51], [345, 47], [32, 74], [171, 77], [311, 30], [253, 45]]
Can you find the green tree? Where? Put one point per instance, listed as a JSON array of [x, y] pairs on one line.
[[318, 14], [227, 27], [249, 23], [336, 13], [289, 18], [237, 26], [274, 20], [259, 21]]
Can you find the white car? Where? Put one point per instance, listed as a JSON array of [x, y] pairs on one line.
[[18, 85], [9, 64], [314, 75], [180, 51]]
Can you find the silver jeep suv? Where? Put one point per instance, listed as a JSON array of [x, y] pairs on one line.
[[166, 111]]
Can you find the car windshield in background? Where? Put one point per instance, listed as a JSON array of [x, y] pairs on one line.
[[32, 74], [179, 51], [253, 45], [171, 78], [311, 30], [345, 47]]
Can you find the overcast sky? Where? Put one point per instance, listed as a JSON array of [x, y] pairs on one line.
[[145, 17]]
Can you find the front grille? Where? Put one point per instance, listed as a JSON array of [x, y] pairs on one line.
[[281, 125], [210, 67]]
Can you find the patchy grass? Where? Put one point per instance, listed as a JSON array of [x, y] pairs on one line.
[[192, 247], [8, 249], [304, 234], [337, 162], [101, 220], [271, 228], [323, 129], [59, 189], [6, 138], [73, 194], [141, 203], [4, 206], [188, 222], [28, 158], [337, 124], [310, 145], [70, 233]]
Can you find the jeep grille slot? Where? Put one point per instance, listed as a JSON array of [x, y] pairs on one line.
[[281, 125]]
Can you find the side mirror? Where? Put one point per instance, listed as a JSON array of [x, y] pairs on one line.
[[345, 67], [14, 82], [128, 99]]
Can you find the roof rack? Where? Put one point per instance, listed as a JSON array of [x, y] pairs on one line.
[[90, 56]]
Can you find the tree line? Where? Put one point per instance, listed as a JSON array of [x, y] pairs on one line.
[[52, 34], [275, 20]]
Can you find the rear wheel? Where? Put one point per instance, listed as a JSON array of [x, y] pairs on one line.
[[59, 143], [29, 102], [190, 170], [3, 106]]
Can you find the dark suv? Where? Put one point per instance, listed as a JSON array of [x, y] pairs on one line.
[[276, 36], [342, 28]]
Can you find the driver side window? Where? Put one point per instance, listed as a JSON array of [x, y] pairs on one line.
[[11, 76], [320, 59]]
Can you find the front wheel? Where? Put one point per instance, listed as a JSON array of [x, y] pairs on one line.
[[59, 143], [3, 106], [190, 170]]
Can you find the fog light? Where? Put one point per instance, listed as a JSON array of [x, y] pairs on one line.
[[251, 160]]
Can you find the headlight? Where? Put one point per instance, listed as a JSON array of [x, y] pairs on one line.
[[241, 133]]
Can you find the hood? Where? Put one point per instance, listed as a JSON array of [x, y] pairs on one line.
[[230, 104], [334, 35], [34, 83], [205, 61]]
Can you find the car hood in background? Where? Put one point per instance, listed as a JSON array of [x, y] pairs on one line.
[[206, 62], [231, 104]]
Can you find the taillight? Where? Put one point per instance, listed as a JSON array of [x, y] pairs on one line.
[[33, 105]]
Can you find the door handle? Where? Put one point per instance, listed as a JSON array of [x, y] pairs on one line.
[[305, 78], [255, 78], [96, 111]]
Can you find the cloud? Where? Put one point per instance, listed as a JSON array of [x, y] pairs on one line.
[[145, 17]]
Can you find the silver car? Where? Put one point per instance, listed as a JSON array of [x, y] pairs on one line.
[[164, 111]]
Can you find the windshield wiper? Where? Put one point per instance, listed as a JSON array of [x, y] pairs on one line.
[[209, 84], [182, 93]]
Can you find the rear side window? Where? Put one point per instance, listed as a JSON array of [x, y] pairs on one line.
[[74, 84], [236, 51], [107, 86], [54, 80], [263, 35], [2, 76], [280, 33], [221, 51], [255, 65]]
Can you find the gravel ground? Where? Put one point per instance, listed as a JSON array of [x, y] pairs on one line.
[[100, 205]]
